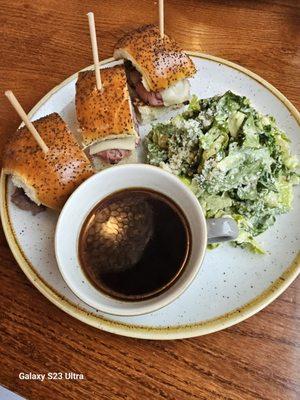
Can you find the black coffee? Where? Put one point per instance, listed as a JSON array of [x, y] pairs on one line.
[[134, 244]]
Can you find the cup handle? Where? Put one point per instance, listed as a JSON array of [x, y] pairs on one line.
[[221, 230]]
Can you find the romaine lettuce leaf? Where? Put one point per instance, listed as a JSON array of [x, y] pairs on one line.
[[235, 121], [250, 133], [245, 238]]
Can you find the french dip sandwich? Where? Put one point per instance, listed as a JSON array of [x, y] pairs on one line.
[[45, 179], [157, 71], [106, 117]]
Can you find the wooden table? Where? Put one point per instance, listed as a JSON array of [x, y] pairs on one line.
[[43, 42]]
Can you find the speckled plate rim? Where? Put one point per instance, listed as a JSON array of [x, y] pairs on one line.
[[143, 332]]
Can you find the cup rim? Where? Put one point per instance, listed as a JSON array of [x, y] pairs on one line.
[[143, 306]]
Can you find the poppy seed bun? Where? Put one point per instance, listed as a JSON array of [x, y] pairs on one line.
[[105, 114], [160, 60], [47, 178]]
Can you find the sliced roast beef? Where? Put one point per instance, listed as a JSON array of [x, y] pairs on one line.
[[23, 202], [154, 99], [134, 76], [151, 98], [113, 156]]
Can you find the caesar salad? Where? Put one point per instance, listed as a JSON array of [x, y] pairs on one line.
[[235, 160]]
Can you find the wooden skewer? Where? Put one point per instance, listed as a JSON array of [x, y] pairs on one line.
[[161, 18], [17, 106], [95, 49]]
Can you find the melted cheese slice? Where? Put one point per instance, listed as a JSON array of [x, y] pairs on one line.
[[126, 143], [177, 93]]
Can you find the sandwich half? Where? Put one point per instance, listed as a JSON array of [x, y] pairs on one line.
[[157, 70], [106, 118], [45, 179]]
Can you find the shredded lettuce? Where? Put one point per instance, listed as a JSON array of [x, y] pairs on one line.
[[236, 161]]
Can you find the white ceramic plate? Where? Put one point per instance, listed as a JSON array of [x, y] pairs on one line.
[[232, 285]]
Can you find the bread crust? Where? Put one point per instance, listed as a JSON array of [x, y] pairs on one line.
[[104, 114], [51, 176], [160, 60]]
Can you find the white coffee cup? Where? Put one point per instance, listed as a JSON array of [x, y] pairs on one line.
[[106, 182]]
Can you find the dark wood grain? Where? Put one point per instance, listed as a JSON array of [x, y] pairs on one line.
[[43, 42]]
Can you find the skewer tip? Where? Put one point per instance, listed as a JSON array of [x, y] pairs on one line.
[[8, 93]]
